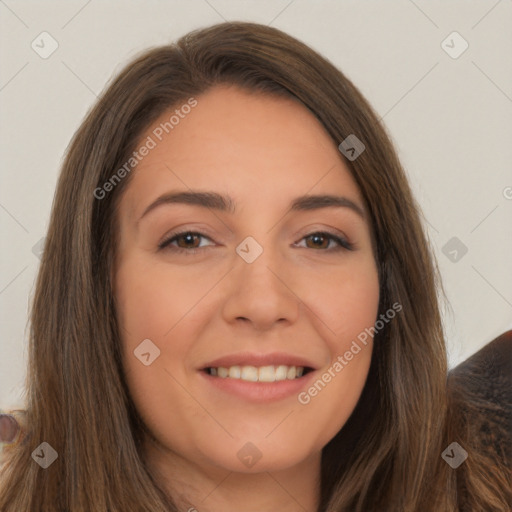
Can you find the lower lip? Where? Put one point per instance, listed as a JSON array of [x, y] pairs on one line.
[[259, 391]]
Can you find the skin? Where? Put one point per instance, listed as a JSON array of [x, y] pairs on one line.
[[299, 296], [8, 428]]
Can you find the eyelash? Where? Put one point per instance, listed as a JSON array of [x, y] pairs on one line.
[[342, 243]]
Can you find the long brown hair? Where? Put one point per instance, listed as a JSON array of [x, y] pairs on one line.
[[386, 457]]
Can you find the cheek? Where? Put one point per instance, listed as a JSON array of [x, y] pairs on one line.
[[345, 301], [152, 299], [166, 305], [154, 303], [149, 306], [345, 306]]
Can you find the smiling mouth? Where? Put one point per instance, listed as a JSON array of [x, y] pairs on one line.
[[259, 374]]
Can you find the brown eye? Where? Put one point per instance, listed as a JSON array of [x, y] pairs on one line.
[[185, 241], [188, 239], [318, 240], [321, 240]]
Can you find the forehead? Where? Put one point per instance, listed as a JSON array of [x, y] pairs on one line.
[[256, 146]]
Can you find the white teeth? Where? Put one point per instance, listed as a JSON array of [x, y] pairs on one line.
[[249, 373], [235, 372], [281, 372], [267, 374], [292, 372], [261, 374]]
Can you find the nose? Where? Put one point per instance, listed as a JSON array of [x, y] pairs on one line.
[[261, 293]]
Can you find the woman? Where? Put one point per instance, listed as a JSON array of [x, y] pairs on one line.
[[265, 369]]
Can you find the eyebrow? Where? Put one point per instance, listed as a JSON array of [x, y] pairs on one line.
[[227, 204]]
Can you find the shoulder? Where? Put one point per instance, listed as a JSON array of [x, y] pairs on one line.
[[487, 374], [482, 388]]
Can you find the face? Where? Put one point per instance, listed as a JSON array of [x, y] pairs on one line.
[[253, 281]]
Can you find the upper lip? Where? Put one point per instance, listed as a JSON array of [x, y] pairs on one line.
[[259, 359]]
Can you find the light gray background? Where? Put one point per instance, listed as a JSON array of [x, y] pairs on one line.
[[449, 118]]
